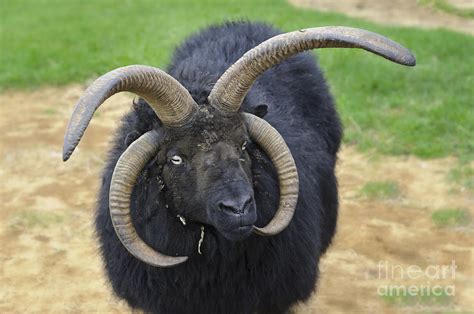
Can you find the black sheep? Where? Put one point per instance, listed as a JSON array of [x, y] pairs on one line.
[[209, 181]]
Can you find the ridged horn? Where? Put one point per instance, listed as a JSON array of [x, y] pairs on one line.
[[232, 87], [171, 102], [125, 175], [273, 144]]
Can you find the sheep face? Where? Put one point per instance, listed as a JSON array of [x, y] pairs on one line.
[[207, 174]]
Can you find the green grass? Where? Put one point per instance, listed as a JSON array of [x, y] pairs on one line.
[[381, 190], [451, 217], [426, 110], [462, 174]]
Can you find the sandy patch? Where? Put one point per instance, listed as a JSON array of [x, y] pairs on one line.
[[396, 12], [49, 260]]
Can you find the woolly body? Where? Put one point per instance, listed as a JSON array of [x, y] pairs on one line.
[[259, 274]]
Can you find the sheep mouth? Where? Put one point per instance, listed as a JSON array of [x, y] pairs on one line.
[[237, 234]]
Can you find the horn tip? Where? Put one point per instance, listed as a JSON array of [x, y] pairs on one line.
[[409, 60], [174, 261], [182, 259], [266, 231], [65, 157], [67, 152], [405, 58]]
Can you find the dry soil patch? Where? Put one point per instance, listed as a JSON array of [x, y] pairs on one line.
[[396, 12], [49, 260]]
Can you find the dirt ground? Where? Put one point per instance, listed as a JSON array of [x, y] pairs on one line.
[[397, 12], [49, 258]]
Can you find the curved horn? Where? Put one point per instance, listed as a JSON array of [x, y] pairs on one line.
[[171, 102], [276, 149], [126, 172], [232, 87]]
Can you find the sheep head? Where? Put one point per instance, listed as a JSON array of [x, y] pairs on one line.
[[206, 173], [210, 180]]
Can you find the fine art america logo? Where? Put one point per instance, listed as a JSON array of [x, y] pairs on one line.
[[430, 285]]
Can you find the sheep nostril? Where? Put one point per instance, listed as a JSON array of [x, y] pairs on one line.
[[235, 207], [227, 208]]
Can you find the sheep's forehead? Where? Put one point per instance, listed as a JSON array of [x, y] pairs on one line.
[[210, 127]]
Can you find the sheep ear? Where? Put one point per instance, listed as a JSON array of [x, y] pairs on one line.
[[261, 110], [130, 138]]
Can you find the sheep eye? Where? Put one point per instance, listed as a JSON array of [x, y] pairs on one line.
[[244, 145], [177, 160]]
